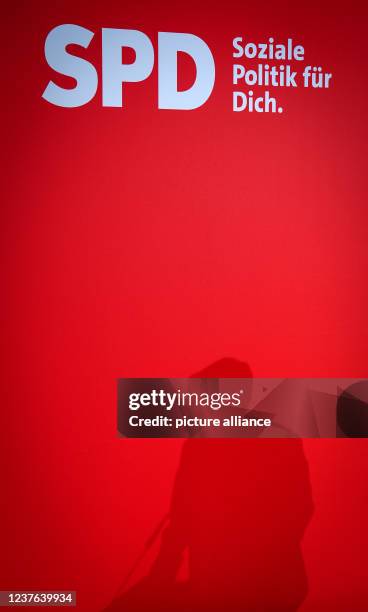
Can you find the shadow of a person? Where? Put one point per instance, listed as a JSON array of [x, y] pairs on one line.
[[239, 508]]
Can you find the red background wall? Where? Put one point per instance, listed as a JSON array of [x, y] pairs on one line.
[[140, 242]]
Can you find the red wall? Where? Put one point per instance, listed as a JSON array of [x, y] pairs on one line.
[[140, 242]]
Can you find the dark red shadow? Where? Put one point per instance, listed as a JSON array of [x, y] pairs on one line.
[[239, 509]]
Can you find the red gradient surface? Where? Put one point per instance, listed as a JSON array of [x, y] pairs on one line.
[[139, 242]]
